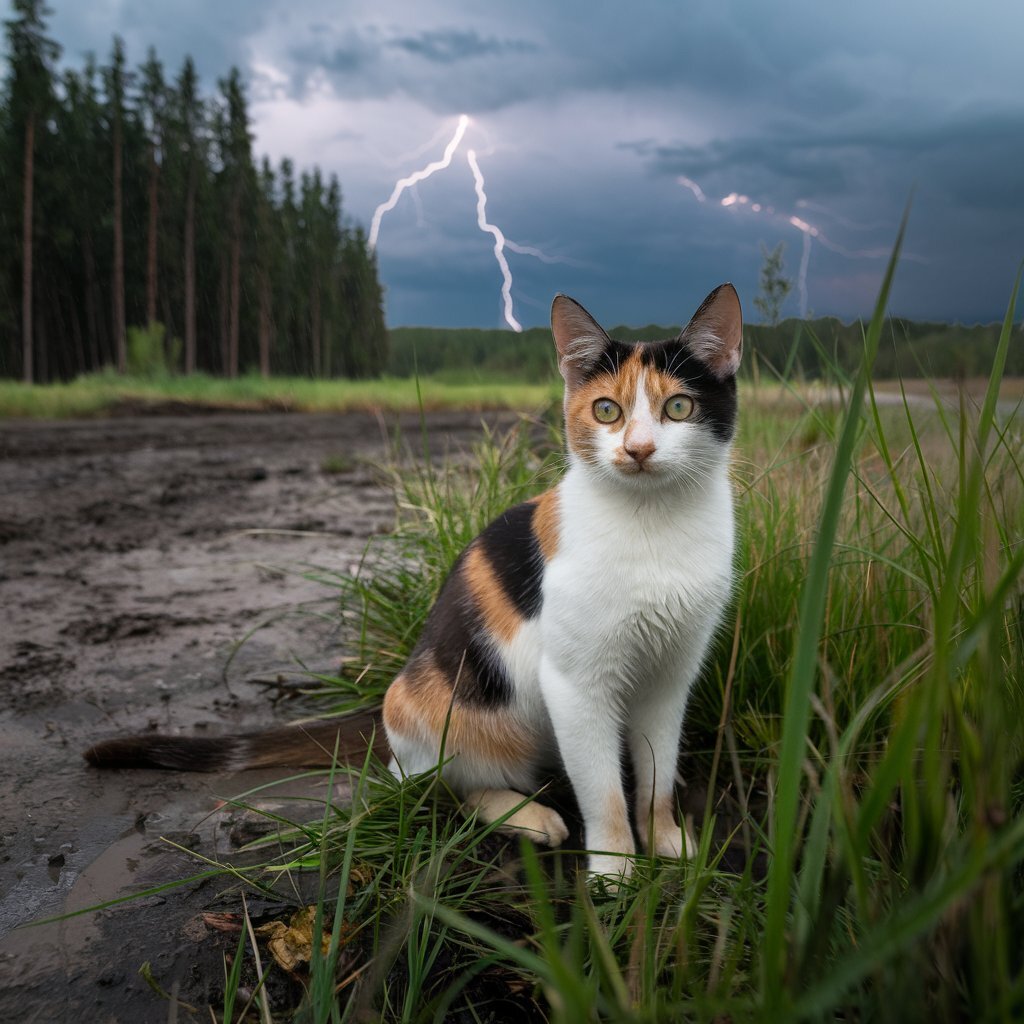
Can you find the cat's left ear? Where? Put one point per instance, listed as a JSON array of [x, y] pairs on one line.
[[579, 338], [715, 334]]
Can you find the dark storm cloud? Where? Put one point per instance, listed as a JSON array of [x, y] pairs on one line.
[[220, 43], [445, 69], [446, 46], [971, 159], [462, 66], [787, 169]]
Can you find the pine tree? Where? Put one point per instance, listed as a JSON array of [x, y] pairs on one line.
[[152, 101], [236, 159], [30, 99], [186, 155], [267, 248], [83, 170], [332, 252], [115, 81], [362, 302]]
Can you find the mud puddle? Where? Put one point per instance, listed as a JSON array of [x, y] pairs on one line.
[[151, 577]]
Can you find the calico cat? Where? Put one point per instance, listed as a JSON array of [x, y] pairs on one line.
[[576, 620]]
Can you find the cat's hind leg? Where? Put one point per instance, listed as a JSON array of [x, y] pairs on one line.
[[485, 755], [542, 824]]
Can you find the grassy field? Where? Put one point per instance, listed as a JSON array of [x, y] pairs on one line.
[[109, 393], [855, 765], [103, 393]]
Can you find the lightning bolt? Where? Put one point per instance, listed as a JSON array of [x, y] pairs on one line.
[[415, 178], [499, 240], [501, 243]]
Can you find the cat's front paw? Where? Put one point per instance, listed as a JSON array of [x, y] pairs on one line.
[[607, 871]]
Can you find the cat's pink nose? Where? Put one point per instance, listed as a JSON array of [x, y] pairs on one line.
[[639, 451]]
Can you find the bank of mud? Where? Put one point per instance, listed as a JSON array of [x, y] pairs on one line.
[[152, 577]]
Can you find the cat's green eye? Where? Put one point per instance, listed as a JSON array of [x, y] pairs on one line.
[[679, 407], [606, 411]]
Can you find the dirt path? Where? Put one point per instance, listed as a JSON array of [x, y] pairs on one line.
[[131, 565]]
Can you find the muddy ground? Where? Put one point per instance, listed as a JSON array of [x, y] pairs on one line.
[[136, 554]]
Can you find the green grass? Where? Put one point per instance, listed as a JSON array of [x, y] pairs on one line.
[[98, 394], [855, 753]]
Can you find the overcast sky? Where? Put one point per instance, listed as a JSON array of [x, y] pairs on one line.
[[647, 149]]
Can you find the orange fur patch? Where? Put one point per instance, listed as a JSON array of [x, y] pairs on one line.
[[616, 821], [662, 815], [499, 615], [546, 523], [419, 704]]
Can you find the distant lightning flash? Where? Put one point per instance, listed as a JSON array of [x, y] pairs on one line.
[[808, 231], [499, 240], [805, 259], [501, 243], [693, 187]]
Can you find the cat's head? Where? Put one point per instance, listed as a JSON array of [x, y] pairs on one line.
[[650, 413]]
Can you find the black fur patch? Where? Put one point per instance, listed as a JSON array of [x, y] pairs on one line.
[[455, 635], [512, 549], [716, 399]]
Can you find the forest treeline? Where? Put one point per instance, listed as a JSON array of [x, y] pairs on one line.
[[810, 348], [139, 227]]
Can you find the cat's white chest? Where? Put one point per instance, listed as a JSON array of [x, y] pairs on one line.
[[633, 586]]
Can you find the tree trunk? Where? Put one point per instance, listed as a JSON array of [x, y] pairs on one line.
[[265, 324], [170, 333], [120, 341], [92, 318], [154, 174], [76, 332], [236, 295], [26, 244], [316, 328], [222, 291], [190, 273], [43, 374]]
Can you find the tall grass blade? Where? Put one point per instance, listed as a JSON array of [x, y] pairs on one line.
[[801, 681]]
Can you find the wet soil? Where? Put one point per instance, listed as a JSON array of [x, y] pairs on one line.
[[152, 576]]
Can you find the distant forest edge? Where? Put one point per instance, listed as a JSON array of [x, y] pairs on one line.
[[139, 229], [811, 348]]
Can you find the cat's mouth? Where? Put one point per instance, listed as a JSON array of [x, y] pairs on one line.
[[630, 467]]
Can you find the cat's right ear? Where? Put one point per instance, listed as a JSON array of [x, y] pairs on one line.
[[579, 338], [715, 334]]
